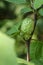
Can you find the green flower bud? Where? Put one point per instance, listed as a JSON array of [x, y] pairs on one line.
[[27, 27]]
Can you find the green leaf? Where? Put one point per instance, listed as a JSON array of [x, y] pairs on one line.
[[7, 52], [37, 3], [25, 10], [22, 61], [36, 50], [14, 29], [40, 26], [17, 1], [41, 11], [37, 62]]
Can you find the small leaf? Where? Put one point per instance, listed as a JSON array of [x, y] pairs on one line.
[[25, 10], [17, 1], [14, 29], [41, 11], [37, 3]]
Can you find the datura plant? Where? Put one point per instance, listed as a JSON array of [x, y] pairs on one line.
[[23, 21]]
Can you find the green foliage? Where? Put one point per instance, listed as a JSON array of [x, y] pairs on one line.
[[36, 52], [37, 3], [24, 62], [41, 11], [14, 29], [40, 25], [17, 1], [7, 54], [17, 20], [25, 10]]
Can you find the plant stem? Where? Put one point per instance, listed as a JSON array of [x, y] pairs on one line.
[[29, 40], [28, 50]]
